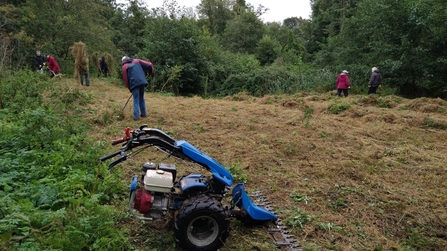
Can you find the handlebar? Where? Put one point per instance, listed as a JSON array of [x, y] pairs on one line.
[[123, 139], [110, 155], [119, 160], [144, 136], [117, 141]]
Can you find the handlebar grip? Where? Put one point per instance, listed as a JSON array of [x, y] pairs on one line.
[[117, 161], [117, 141], [110, 156]]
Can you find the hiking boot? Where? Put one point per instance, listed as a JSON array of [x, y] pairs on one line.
[[143, 116], [136, 119]]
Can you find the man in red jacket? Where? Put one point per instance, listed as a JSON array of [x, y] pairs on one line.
[[343, 83], [52, 65]]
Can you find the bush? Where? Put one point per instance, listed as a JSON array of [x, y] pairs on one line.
[[277, 80], [20, 90], [51, 197]]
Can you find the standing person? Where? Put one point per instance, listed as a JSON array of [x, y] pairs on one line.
[[52, 65], [134, 72], [79, 52], [343, 83], [104, 67], [39, 62], [374, 81]]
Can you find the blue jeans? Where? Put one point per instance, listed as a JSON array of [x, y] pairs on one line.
[[139, 105], [87, 80]]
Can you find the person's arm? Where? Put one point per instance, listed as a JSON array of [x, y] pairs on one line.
[[124, 74], [147, 66]]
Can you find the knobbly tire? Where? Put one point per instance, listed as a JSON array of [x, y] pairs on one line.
[[201, 224]]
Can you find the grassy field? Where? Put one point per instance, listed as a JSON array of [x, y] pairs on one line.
[[355, 173]]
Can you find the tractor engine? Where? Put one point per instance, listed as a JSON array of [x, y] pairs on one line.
[[153, 198]]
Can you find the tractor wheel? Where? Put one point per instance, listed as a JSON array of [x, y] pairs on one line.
[[201, 224]]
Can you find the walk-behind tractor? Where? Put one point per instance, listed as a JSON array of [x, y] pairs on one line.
[[201, 222]]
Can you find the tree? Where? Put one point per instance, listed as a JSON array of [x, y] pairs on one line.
[[174, 47], [406, 39], [130, 26], [266, 52], [243, 33], [216, 13]]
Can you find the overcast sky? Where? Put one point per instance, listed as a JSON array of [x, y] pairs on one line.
[[278, 9]]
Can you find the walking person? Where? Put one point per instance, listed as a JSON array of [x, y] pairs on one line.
[[343, 83], [374, 81], [52, 65], [134, 72], [39, 61]]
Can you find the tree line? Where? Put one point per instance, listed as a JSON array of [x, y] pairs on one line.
[[222, 47]]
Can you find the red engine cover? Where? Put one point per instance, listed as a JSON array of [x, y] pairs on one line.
[[143, 201]]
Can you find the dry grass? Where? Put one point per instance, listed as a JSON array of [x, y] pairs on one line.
[[373, 176]]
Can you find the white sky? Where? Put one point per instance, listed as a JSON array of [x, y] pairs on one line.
[[278, 9]]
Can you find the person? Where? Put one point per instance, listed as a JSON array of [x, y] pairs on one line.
[[79, 52], [104, 67], [374, 81], [52, 65], [83, 71], [39, 61], [343, 83], [134, 72]]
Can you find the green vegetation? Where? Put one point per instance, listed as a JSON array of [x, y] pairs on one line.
[[223, 48], [53, 194]]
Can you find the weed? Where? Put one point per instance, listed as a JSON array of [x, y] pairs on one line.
[[329, 227], [296, 196], [199, 128], [290, 148], [296, 218], [337, 108], [239, 175], [338, 204], [308, 114], [324, 134]]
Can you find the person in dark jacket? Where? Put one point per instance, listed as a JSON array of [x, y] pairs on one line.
[[374, 81], [39, 61], [134, 72], [343, 83], [104, 67], [52, 65]]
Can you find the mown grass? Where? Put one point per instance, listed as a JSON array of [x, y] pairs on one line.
[[356, 173], [372, 173]]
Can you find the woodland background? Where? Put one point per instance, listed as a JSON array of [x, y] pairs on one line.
[[221, 47]]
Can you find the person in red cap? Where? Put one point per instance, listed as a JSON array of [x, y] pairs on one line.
[[52, 65], [343, 83]]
